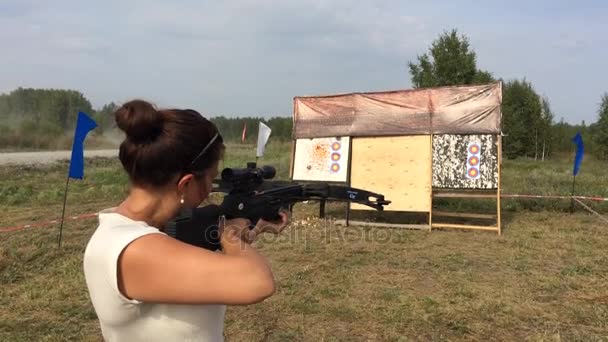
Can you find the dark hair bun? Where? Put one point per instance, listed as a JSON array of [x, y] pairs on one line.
[[140, 121]]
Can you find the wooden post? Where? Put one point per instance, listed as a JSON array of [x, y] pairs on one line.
[[498, 190], [431, 193], [293, 139], [322, 209], [431, 110], [348, 175], [293, 154]]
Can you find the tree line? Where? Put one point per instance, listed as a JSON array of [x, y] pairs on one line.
[[39, 118], [232, 128]]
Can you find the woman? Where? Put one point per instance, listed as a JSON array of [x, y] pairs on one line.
[[146, 285]]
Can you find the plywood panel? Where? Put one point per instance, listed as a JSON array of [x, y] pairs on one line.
[[450, 155], [321, 159], [397, 167]]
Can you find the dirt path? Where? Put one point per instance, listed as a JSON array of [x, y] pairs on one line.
[[20, 158]]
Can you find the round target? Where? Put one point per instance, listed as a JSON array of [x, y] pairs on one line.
[[335, 167], [473, 161], [335, 146], [474, 149], [473, 172], [335, 156]]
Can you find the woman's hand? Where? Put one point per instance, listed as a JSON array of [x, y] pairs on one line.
[[233, 232], [263, 226]]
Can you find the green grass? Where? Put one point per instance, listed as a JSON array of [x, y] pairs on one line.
[[553, 177], [542, 280]]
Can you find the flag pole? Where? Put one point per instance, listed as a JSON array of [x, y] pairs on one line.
[[572, 195], [578, 158], [65, 197], [84, 124]]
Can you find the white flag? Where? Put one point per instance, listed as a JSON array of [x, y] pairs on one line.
[[263, 135]]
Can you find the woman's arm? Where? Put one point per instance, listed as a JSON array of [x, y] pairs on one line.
[[158, 268]]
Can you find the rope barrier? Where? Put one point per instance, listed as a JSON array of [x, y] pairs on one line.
[[591, 210], [90, 215], [597, 199]]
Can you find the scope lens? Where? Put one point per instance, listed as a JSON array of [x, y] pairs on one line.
[[268, 171], [227, 174]]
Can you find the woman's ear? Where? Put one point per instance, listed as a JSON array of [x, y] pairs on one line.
[[184, 182]]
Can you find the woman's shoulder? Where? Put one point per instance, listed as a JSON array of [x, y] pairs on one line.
[[114, 232]]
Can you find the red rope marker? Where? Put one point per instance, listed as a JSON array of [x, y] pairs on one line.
[[44, 223]]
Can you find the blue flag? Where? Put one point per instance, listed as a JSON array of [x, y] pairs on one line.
[[580, 150], [83, 126]]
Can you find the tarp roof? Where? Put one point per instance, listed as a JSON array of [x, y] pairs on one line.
[[442, 110]]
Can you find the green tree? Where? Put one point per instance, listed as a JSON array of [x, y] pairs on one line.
[[521, 109], [546, 131], [483, 77], [450, 61], [601, 129], [37, 118], [105, 117], [50, 107]]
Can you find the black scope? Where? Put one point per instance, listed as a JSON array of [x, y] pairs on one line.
[[250, 174]]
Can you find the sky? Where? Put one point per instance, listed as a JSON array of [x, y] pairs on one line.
[[252, 57]]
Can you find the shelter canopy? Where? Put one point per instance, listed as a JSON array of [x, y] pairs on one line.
[[442, 110]]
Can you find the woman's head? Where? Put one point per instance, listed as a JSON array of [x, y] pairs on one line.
[[170, 149]]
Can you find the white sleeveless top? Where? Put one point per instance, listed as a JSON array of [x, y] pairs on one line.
[[122, 319]]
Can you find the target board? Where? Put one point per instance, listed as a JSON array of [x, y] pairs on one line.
[[321, 159], [465, 161], [397, 167]]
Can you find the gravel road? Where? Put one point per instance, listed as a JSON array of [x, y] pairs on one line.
[[21, 158]]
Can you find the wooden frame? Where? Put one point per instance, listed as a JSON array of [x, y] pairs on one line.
[[432, 222], [474, 194], [432, 214], [382, 224], [440, 117]]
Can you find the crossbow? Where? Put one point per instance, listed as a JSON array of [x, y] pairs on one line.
[[249, 193]]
